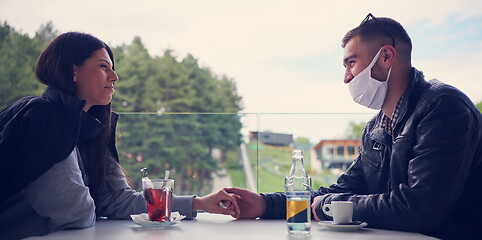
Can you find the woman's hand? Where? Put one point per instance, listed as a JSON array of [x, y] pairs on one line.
[[219, 202]]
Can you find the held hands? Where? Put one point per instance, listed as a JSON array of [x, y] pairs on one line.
[[239, 203], [251, 204], [219, 202]]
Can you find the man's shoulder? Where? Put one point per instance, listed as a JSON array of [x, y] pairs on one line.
[[445, 99], [435, 91], [438, 88]]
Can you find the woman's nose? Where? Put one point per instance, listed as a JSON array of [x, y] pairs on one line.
[[114, 77]]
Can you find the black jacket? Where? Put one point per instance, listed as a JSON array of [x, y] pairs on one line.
[[427, 178], [36, 133]]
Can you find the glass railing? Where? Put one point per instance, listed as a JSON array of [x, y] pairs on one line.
[[208, 151]]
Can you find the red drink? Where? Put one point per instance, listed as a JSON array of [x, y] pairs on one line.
[[159, 204]]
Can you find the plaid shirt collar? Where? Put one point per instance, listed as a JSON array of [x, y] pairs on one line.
[[389, 124]]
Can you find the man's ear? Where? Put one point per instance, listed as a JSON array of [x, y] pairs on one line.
[[388, 55]]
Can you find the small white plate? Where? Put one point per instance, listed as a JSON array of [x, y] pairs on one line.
[[343, 227], [143, 220]]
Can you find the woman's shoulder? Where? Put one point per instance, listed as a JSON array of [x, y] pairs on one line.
[[32, 110], [28, 104]]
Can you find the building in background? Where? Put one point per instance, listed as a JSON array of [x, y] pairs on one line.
[[338, 153], [271, 138]]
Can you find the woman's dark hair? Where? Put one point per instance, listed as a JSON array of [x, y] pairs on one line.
[[55, 68], [55, 64]]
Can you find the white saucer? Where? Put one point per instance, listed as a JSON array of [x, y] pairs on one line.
[[343, 227], [143, 220]]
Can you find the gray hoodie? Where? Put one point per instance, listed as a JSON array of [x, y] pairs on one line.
[[60, 199]]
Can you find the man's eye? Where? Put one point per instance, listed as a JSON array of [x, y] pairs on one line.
[[103, 66]]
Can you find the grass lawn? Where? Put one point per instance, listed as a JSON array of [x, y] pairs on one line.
[[237, 176], [275, 163]]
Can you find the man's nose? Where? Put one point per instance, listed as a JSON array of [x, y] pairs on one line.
[[348, 76]]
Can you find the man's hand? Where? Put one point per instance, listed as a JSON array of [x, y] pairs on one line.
[[251, 204], [219, 202], [313, 207]]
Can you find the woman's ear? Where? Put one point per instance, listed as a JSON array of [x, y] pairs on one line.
[[74, 68]]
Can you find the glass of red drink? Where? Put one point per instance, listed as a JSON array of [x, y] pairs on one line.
[[158, 195]]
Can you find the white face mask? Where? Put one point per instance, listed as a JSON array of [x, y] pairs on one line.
[[369, 91]]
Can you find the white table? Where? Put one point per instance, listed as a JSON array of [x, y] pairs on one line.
[[211, 227]]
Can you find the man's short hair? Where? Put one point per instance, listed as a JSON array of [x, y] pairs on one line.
[[376, 33]]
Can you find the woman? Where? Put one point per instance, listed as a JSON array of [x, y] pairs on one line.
[[59, 165]]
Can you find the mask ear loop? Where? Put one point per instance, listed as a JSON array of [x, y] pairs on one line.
[[389, 71], [374, 60]]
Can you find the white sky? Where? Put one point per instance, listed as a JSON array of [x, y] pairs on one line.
[[284, 55]]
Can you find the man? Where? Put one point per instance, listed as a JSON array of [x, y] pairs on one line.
[[419, 167]]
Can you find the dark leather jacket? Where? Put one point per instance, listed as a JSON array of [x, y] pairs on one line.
[[426, 178]]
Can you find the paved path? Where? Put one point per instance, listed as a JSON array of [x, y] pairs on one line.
[[221, 179], [248, 170]]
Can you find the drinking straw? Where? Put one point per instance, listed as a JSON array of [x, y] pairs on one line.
[[166, 177]]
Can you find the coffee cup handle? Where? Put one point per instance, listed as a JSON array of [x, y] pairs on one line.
[[327, 209]]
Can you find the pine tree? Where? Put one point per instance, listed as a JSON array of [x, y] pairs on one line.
[[18, 55]]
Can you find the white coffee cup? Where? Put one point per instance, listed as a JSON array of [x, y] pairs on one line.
[[341, 211]]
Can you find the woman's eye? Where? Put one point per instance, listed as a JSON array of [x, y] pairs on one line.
[[103, 66]]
